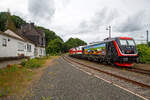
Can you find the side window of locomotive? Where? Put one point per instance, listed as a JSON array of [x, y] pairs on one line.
[[123, 42], [131, 42]]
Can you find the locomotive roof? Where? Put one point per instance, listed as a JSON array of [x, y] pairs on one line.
[[108, 40], [105, 40], [102, 41]]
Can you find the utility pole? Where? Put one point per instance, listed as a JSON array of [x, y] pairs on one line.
[[147, 37], [109, 29]]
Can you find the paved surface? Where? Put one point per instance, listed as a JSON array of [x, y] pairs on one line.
[[64, 82], [5, 63]]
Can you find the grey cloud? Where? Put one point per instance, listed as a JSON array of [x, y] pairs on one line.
[[42, 8], [99, 18], [132, 23], [102, 18]]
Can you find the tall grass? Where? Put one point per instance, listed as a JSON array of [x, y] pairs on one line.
[[14, 78]]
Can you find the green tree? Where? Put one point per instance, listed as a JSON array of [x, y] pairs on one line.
[[49, 35], [54, 46], [9, 21], [17, 21], [3, 20], [73, 42]]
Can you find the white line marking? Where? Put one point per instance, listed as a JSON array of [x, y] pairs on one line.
[[103, 79], [108, 82]]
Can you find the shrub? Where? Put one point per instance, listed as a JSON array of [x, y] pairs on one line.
[[34, 63], [23, 62], [144, 53]]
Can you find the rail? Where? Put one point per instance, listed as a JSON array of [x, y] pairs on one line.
[[108, 73]]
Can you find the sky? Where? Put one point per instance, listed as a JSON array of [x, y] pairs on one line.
[[85, 19]]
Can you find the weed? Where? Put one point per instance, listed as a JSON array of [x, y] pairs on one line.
[[45, 98], [13, 79], [35, 63], [23, 62]]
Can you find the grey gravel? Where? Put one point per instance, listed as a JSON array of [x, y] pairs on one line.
[[132, 87], [62, 81], [125, 73]]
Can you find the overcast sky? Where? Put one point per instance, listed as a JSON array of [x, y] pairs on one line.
[[85, 19]]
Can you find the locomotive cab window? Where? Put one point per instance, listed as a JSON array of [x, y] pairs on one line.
[[123, 42], [131, 42]]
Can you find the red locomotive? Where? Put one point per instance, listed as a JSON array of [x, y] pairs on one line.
[[120, 51]]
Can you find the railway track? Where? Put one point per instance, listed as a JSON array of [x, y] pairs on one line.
[[133, 69], [108, 73], [138, 70]]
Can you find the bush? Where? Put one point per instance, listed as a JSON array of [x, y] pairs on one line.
[[144, 53], [23, 62], [34, 63]]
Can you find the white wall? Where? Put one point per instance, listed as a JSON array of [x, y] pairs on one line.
[[11, 50], [40, 52], [43, 52], [14, 49], [31, 53]]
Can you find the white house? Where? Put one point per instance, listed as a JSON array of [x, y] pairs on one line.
[[30, 49], [14, 45], [40, 51]]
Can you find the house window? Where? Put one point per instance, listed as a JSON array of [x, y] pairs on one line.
[[41, 51], [25, 47], [35, 52], [28, 48], [20, 46], [4, 42]]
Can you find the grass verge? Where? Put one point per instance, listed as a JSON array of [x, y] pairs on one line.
[[15, 78]]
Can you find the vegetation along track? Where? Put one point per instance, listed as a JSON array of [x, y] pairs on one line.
[[108, 73]]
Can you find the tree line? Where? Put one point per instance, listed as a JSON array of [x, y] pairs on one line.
[[54, 43]]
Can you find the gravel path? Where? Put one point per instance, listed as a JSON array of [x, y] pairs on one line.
[[61, 81]]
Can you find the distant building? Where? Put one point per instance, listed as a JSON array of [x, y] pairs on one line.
[[36, 36]]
